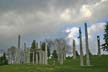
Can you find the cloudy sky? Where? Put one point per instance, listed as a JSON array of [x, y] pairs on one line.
[[41, 19]]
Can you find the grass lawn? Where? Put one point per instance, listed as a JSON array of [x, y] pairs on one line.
[[100, 64]]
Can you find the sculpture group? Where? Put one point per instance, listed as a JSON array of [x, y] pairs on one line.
[[39, 56]]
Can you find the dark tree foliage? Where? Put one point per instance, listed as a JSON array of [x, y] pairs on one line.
[[43, 46], [4, 56], [105, 45], [48, 50], [33, 46], [3, 60], [77, 53], [54, 54]]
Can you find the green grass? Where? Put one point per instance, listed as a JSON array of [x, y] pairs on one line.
[[100, 64]]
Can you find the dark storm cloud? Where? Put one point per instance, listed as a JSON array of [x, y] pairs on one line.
[[22, 4], [45, 17]]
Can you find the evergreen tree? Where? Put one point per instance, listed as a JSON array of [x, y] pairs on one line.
[[105, 45], [54, 54], [4, 56], [33, 46], [3, 60], [43, 46], [90, 53], [48, 50], [77, 53]]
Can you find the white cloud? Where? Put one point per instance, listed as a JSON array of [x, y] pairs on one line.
[[99, 3], [86, 11], [93, 31], [66, 15], [72, 34]]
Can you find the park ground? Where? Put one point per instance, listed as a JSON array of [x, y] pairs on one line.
[[98, 64]]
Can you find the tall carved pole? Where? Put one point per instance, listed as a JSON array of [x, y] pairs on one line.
[[36, 58], [28, 55], [61, 56], [74, 50], [19, 37], [18, 50], [46, 53], [24, 45], [87, 46], [25, 53], [33, 56], [64, 52], [98, 43], [81, 51]]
